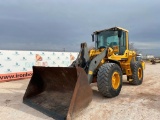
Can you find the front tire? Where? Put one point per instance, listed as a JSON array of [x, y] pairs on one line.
[[109, 80]]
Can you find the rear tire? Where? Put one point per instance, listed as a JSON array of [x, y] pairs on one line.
[[137, 74], [109, 80]]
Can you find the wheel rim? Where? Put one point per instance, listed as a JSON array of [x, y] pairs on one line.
[[139, 73], [115, 80]]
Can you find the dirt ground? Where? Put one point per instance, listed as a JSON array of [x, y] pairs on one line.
[[134, 102]]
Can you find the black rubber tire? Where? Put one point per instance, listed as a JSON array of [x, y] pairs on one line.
[[104, 82], [135, 79]]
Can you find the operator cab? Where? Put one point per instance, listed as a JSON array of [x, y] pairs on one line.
[[114, 38]]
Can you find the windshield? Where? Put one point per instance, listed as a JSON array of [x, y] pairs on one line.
[[107, 39]]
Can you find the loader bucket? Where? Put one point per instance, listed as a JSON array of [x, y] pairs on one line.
[[59, 92]]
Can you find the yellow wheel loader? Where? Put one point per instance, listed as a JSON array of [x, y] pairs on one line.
[[62, 92]]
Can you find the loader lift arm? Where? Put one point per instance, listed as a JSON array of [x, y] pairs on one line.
[[88, 65]]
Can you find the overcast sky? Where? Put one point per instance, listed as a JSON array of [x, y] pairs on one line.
[[58, 24]]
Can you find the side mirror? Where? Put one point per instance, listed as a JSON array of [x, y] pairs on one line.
[[119, 33], [92, 37]]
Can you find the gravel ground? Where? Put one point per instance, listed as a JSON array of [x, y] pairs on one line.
[[134, 102]]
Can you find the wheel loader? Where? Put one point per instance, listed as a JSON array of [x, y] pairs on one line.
[[62, 92]]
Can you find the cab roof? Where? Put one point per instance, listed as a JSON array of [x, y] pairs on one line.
[[113, 28]]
